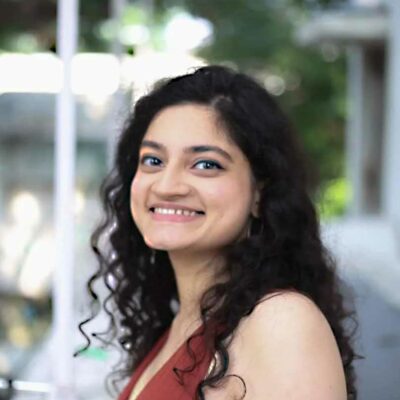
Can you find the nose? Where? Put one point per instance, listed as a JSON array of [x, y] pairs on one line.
[[171, 182]]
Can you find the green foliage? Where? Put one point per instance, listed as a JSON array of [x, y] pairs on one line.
[[260, 39], [333, 198], [91, 14]]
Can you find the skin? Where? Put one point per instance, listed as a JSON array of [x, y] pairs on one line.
[[227, 196], [285, 349], [286, 336]]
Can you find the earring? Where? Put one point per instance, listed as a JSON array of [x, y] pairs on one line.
[[248, 232], [250, 227], [152, 257]]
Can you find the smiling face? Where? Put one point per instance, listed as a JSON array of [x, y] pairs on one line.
[[193, 189]]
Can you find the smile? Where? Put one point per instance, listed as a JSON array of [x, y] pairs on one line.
[[176, 215], [171, 211]]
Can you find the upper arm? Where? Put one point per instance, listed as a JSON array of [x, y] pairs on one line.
[[286, 349]]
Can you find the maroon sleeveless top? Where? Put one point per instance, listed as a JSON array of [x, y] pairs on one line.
[[165, 384]]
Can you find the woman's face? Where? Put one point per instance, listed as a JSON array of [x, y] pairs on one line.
[[193, 188]]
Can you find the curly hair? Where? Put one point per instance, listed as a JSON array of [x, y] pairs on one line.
[[284, 252]]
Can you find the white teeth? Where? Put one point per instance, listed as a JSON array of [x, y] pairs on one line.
[[170, 211]]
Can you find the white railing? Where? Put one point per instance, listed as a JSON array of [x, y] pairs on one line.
[[10, 388]]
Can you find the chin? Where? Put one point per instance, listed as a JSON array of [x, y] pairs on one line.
[[166, 245]]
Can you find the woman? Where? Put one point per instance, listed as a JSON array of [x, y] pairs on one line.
[[221, 286]]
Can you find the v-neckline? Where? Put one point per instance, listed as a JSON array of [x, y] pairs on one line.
[[157, 348]]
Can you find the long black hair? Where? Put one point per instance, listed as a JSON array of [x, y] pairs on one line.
[[284, 252]]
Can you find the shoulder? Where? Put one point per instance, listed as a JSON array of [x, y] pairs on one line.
[[284, 309], [285, 336]]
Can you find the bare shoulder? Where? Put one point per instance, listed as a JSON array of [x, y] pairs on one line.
[[286, 349], [283, 306]]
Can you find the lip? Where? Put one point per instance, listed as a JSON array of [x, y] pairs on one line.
[[174, 217]]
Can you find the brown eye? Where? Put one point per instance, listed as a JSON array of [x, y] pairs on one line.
[[150, 161], [208, 164]]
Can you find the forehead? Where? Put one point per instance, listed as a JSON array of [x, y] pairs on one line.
[[188, 124]]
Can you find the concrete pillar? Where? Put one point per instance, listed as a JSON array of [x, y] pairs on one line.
[[364, 128], [64, 325], [118, 102], [355, 128], [391, 154]]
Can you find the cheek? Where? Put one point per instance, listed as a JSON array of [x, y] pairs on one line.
[[230, 202], [231, 196], [138, 188]]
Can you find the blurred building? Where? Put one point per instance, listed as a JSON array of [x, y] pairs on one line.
[[28, 89], [370, 32], [366, 241]]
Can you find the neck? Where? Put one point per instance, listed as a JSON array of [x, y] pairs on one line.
[[194, 274]]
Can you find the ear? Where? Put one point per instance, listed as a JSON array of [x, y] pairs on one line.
[[256, 200]]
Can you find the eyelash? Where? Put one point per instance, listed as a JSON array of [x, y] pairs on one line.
[[144, 158], [214, 163]]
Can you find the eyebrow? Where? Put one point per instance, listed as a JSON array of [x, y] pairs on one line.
[[191, 149]]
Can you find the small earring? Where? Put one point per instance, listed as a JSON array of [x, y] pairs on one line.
[[250, 226], [152, 257], [248, 233]]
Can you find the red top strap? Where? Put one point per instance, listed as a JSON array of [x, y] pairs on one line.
[[165, 384]]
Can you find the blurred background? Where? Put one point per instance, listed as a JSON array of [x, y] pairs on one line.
[[334, 66]]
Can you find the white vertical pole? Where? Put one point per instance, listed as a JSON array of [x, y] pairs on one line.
[[117, 8], [391, 155], [354, 129], [65, 142]]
